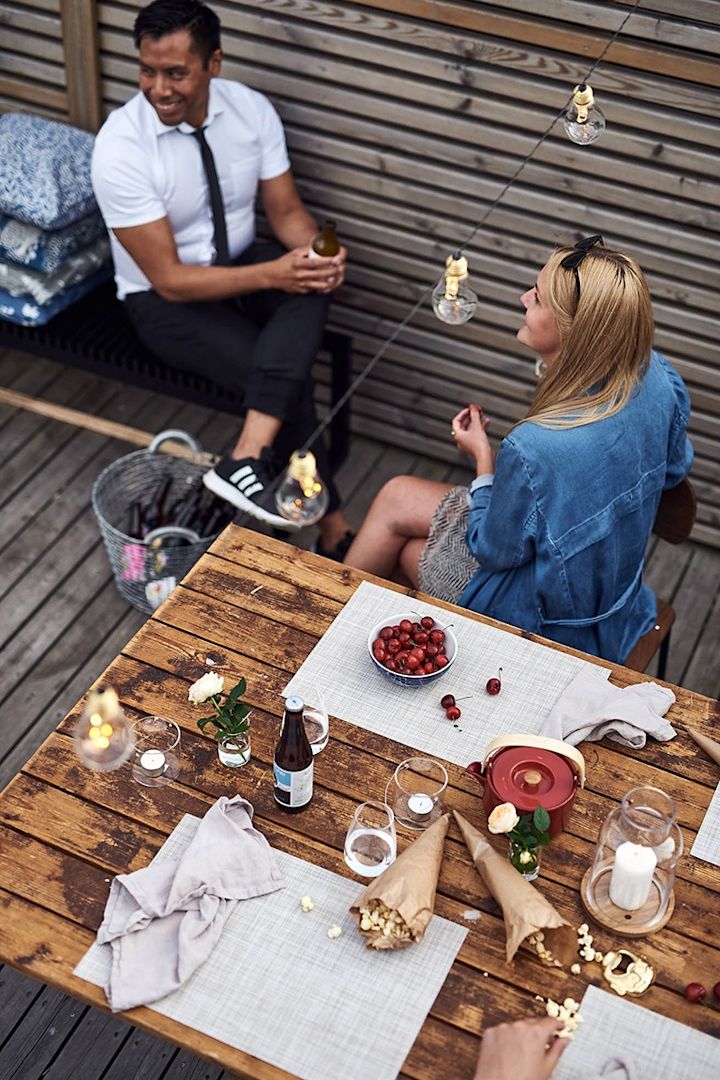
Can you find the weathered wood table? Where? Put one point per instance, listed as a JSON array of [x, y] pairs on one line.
[[65, 831]]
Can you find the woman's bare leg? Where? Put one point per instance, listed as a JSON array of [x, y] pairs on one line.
[[402, 511]]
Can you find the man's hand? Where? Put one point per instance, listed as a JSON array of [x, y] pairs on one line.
[[295, 272], [525, 1050], [469, 430]]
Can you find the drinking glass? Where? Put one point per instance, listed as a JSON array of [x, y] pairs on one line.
[[315, 721], [371, 842], [416, 787], [157, 750]]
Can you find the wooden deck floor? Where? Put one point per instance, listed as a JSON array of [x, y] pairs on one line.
[[62, 621]]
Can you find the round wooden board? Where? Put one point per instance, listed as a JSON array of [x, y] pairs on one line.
[[638, 923]]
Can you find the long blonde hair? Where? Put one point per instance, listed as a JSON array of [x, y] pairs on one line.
[[606, 335]]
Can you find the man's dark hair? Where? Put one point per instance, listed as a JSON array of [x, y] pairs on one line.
[[168, 16]]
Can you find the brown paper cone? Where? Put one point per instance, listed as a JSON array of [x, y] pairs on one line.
[[524, 908], [408, 886], [711, 748]]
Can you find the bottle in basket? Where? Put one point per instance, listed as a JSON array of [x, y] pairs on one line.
[[293, 761]]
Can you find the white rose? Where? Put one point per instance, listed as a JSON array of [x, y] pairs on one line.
[[503, 818], [206, 687]]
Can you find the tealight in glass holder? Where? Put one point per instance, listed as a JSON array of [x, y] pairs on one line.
[[415, 791], [629, 887], [157, 749]]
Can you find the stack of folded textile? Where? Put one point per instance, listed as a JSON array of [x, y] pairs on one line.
[[53, 244]]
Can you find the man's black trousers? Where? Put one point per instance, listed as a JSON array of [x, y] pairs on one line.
[[261, 346]]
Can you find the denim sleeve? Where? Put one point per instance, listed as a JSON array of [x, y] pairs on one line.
[[680, 451], [503, 515]]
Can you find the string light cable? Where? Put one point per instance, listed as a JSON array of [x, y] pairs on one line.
[[459, 253]]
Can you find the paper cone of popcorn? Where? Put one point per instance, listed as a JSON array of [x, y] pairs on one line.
[[711, 748], [525, 910], [406, 890]]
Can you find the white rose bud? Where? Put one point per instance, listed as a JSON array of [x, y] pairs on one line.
[[525, 857], [206, 687], [503, 818]]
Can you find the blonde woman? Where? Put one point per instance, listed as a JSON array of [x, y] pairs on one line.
[[551, 535]]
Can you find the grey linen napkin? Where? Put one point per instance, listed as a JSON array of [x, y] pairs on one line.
[[591, 708], [164, 920]]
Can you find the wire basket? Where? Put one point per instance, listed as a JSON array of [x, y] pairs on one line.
[[146, 571]]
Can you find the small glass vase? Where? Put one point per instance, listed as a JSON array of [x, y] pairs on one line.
[[234, 750], [526, 860]]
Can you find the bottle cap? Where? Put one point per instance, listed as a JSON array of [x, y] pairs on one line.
[[294, 704]]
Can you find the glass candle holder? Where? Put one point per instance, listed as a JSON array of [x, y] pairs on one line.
[[629, 887], [415, 790], [157, 749]]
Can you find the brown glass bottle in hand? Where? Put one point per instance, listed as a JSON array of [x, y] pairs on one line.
[[326, 243], [293, 761]]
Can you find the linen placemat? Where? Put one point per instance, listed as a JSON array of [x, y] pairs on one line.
[[707, 841], [651, 1046], [342, 671], [277, 987]]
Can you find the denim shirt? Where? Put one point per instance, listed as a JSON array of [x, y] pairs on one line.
[[560, 531]]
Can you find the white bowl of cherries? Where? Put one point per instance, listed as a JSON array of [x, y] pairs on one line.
[[410, 650]]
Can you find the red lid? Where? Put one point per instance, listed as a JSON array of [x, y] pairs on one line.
[[529, 777]]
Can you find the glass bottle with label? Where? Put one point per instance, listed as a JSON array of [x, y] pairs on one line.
[[293, 761], [326, 243]]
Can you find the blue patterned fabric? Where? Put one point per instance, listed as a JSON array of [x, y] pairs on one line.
[[26, 312], [45, 175], [38, 249]]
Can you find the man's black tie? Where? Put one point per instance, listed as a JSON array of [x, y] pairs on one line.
[[222, 253]]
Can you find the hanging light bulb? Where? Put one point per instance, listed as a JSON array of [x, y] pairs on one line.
[[583, 121], [453, 300], [103, 737], [302, 496]]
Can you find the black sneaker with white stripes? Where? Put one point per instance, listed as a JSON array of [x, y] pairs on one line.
[[245, 483]]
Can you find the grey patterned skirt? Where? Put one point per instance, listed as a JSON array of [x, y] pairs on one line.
[[446, 565]]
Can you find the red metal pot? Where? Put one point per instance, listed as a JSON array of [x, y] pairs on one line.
[[530, 771]]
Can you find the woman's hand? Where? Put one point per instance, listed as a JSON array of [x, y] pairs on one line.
[[469, 430], [525, 1050]]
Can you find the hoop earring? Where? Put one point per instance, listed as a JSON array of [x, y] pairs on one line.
[[540, 367]]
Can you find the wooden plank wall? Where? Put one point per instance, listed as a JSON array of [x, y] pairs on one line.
[[406, 118]]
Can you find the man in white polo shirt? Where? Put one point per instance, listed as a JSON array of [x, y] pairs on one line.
[[176, 172]]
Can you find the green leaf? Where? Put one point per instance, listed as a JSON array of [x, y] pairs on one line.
[[206, 720], [237, 691], [541, 819]]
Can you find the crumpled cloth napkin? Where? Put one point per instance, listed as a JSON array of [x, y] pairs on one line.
[[164, 920], [592, 708]]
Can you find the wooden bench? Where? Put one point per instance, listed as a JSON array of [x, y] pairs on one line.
[[96, 335]]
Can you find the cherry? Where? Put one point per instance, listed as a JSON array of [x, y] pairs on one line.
[[695, 992], [447, 701], [390, 664], [441, 661], [412, 663], [386, 633], [437, 636], [380, 655], [406, 626], [431, 650], [716, 991], [427, 622], [393, 645], [421, 638], [403, 638], [428, 667], [453, 713], [493, 686]]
